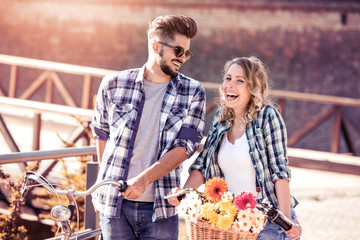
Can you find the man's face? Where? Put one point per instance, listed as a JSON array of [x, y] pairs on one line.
[[169, 63]]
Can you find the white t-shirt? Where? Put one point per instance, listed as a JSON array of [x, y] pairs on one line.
[[235, 162]]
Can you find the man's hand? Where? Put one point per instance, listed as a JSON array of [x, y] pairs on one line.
[[135, 188]]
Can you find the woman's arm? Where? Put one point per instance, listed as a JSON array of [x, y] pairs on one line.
[[282, 189], [194, 180]]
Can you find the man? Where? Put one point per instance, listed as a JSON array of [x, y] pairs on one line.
[[147, 122]]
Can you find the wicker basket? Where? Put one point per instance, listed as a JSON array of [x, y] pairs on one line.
[[203, 230]]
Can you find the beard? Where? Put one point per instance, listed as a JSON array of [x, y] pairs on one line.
[[166, 68]]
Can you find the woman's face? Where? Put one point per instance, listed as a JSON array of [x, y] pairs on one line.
[[235, 89]]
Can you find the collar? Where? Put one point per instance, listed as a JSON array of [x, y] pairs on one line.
[[140, 76]]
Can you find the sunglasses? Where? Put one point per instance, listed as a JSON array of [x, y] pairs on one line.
[[179, 51]]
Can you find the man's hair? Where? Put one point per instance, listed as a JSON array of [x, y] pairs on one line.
[[165, 27]]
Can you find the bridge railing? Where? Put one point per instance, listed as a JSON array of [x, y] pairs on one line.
[[49, 77], [91, 218]]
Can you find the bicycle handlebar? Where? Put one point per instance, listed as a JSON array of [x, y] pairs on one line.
[[31, 176], [275, 215], [62, 214]]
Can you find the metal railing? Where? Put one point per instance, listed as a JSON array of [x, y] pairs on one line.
[[91, 218]]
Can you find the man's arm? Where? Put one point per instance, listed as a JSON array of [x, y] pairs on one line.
[[100, 146], [167, 163]]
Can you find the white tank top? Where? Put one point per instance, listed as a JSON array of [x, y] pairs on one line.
[[235, 162]]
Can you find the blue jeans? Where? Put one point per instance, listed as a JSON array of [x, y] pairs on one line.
[[135, 222], [273, 232]]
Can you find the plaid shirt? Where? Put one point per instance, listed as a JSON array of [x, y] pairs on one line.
[[267, 140], [118, 110]]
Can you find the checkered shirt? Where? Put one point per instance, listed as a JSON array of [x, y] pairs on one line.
[[118, 110], [267, 139]]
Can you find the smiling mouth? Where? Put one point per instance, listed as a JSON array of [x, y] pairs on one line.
[[231, 96], [177, 63]]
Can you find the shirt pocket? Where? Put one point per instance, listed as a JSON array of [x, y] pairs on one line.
[[120, 117], [175, 119]]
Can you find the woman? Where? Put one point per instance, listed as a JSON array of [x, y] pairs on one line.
[[246, 144]]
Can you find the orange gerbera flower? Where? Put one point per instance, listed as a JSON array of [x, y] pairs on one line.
[[214, 188]]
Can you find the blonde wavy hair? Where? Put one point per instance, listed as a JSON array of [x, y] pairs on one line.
[[258, 86]]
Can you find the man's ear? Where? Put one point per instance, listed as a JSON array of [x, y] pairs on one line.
[[155, 47]]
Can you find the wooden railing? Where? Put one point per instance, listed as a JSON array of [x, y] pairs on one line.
[[50, 77], [342, 123]]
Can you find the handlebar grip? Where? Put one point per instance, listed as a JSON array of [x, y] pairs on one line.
[[123, 186], [275, 217], [181, 197], [282, 223]]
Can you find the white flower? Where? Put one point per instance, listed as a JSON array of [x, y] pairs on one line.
[[257, 228], [192, 195], [236, 225], [182, 209], [191, 202], [244, 215], [195, 205], [258, 218], [193, 215], [245, 224], [227, 197]]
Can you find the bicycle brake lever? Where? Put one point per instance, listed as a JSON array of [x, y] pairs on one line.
[[24, 186]]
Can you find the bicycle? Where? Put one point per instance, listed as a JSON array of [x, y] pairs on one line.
[[61, 214]]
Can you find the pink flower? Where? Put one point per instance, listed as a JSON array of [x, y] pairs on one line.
[[245, 200]]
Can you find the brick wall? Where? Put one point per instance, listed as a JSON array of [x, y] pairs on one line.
[[309, 46]]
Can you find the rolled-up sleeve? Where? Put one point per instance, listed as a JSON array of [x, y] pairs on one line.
[[99, 124], [192, 130], [276, 141]]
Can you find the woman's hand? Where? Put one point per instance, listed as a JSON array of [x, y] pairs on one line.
[[294, 232], [174, 200]]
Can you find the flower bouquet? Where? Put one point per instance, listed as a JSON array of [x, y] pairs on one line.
[[219, 214]]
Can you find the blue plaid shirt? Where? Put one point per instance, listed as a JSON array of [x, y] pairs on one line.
[[118, 110], [267, 139]]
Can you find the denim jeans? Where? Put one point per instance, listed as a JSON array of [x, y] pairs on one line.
[[273, 232], [135, 222]]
